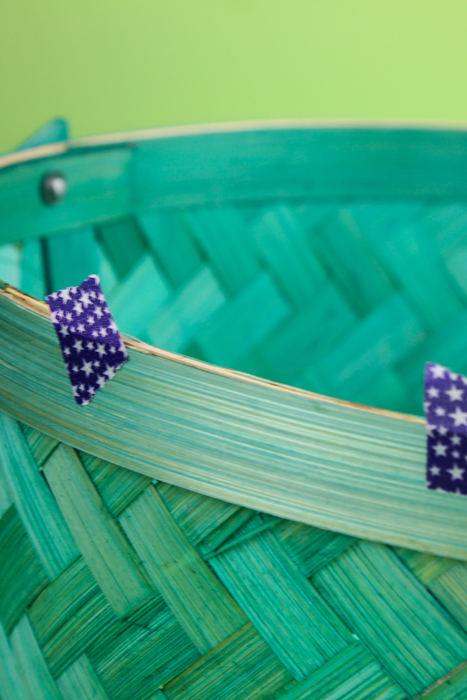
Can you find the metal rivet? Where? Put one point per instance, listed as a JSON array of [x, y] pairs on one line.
[[53, 188]]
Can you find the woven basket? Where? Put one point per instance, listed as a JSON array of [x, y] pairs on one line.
[[201, 533]]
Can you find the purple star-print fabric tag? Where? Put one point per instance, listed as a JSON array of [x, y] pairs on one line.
[[91, 345], [446, 417]]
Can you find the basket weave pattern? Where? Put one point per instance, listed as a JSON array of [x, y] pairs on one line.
[[347, 301], [116, 587]]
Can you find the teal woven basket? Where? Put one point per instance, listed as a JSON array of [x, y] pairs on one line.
[[241, 513]]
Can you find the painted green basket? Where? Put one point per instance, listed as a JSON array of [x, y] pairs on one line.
[[204, 533]]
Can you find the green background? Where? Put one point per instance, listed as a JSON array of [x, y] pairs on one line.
[[113, 65]]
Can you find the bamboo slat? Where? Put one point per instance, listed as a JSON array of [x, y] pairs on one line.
[[199, 602], [116, 569], [22, 576], [247, 443], [80, 681], [39, 513], [31, 663]]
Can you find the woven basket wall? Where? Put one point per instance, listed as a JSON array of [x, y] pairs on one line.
[[200, 535]]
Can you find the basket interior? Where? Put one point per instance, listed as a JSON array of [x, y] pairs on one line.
[[348, 300]]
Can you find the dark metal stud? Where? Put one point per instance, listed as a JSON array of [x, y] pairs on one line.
[[53, 188]]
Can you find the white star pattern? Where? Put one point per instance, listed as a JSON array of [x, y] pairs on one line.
[[65, 294], [438, 371], [87, 368], [445, 402], [455, 394], [459, 417], [440, 449], [88, 320], [85, 300], [456, 473], [110, 372]]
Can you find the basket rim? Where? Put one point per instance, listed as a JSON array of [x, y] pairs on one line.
[[163, 132], [41, 308], [290, 453]]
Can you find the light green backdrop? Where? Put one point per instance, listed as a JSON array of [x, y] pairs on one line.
[[118, 64]]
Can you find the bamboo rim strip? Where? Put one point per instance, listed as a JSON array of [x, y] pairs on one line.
[[282, 451], [133, 136], [41, 308]]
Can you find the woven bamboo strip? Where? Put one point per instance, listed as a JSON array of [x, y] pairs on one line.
[[421, 643], [33, 667], [179, 573], [80, 681], [22, 577], [309, 633], [453, 686], [363, 679], [124, 584], [384, 499], [40, 514], [12, 683]]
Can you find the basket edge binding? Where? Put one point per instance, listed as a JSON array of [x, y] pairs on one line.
[[41, 308], [162, 132], [292, 454]]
